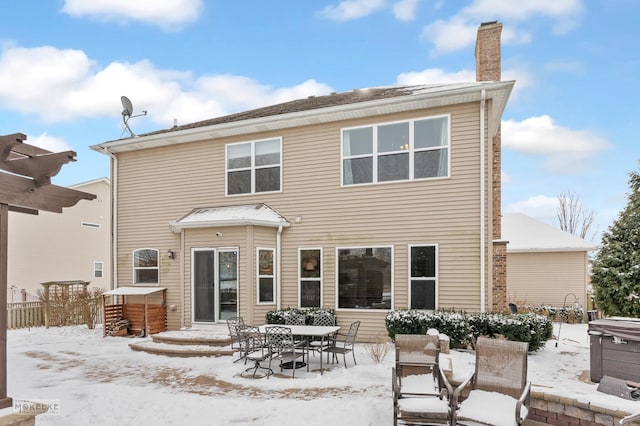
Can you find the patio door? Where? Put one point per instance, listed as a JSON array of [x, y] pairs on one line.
[[214, 284]]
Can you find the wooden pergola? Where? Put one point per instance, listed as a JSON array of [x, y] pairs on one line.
[[25, 187]]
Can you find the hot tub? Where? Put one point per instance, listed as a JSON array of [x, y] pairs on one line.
[[615, 348]]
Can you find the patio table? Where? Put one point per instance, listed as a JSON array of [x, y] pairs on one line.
[[320, 331]]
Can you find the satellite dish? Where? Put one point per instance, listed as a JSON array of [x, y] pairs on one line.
[[127, 110], [127, 106]]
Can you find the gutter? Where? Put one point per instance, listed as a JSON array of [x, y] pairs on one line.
[[114, 217], [483, 191]]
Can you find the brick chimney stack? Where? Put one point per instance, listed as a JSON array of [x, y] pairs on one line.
[[488, 51], [488, 68]]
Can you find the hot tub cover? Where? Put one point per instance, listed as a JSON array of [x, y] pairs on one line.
[[624, 328]]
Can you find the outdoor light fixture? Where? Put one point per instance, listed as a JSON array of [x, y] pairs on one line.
[[171, 254]]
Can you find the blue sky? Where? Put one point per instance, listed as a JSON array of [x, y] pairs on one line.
[[570, 125]]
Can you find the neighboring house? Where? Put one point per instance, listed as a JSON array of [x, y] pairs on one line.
[[364, 201], [545, 265], [74, 245]]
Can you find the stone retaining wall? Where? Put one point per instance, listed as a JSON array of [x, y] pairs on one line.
[[563, 411]]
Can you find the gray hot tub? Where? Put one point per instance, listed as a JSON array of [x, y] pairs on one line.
[[615, 348]]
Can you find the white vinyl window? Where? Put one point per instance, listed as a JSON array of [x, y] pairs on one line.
[[146, 267], [389, 152], [310, 277], [365, 277], [98, 269], [423, 276], [266, 275], [253, 167]]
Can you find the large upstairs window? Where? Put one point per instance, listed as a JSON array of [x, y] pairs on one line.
[[254, 167], [407, 150]]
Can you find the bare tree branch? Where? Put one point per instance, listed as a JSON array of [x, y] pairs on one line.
[[573, 218]]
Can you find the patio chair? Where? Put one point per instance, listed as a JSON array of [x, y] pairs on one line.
[[417, 352], [282, 347], [232, 325], [322, 319], [343, 344], [630, 418], [420, 399], [499, 380], [294, 319], [256, 350]]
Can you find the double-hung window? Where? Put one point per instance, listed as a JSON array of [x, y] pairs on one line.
[[407, 150], [310, 277], [266, 276], [145, 267], [97, 269], [254, 167], [364, 277], [423, 281]]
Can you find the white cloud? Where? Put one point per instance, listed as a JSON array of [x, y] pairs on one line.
[[564, 150], [63, 85], [538, 206], [352, 9], [459, 31], [50, 143], [405, 10], [171, 15]]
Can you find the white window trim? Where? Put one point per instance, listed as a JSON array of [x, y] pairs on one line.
[[134, 268], [258, 276], [300, 279], [337, 272], [412, 150], [252, 167], [96, 263], [436, 278]]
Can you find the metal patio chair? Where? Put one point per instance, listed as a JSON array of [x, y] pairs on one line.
[[419, 399], [343, 344], [282, 348], [499, 380], [417, 352], [255, 348], [322, 319], [232, 325]]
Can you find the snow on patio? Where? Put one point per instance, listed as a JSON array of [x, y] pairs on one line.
[[101, 381]]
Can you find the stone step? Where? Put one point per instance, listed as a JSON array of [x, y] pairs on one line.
[[181, 350]]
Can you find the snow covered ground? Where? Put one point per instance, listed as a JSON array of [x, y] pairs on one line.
[[101, 381]]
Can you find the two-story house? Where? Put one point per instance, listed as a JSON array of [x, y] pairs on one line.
[[365, 201]]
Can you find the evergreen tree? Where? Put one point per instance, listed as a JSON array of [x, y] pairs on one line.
[[616, 267]]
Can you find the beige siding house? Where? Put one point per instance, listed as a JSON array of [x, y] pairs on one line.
[[74, 245], [365, 201], [545, 265]]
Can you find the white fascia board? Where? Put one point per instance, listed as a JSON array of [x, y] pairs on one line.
[[177, 226]]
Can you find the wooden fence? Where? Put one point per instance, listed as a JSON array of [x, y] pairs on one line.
[[33, 314]]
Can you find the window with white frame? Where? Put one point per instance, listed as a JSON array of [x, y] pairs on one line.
[[407, 150], [253, 167], [146, 267], [266, 275], [423, 268], [98, 269], [310, 277], [365, 277]]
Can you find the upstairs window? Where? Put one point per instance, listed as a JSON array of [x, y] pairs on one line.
[[408, 150], [97, 269], [145, 267], [254, 167]]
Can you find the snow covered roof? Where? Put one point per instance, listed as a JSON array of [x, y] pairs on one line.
[[526, 234], [248, 214]]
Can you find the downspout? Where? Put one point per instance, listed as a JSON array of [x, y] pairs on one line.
[[183, 301], [483, 191], [114, 217], [278, 262]]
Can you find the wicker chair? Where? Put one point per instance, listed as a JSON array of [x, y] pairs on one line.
[[499, 380]]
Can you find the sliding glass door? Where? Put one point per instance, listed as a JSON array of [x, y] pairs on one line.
[[214, 284]]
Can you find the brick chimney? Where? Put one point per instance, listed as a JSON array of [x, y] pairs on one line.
[[488, 51], [488, 68]]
